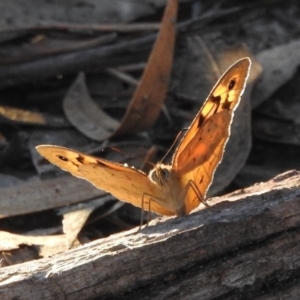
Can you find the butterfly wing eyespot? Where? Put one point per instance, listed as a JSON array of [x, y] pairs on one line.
[[201, 149], [231, 84], [63, 158]]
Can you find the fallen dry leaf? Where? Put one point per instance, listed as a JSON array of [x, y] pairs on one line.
[[279, 64], [147, 101]]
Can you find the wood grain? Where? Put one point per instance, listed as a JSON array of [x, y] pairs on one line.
[[240, 248]]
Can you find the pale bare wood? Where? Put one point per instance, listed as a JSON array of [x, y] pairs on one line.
[[231, 250]]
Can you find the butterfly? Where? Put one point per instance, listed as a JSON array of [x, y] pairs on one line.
[[179, 187]]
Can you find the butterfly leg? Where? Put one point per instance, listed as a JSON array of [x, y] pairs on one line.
[[148, 203], [191, 184], [142, 211]]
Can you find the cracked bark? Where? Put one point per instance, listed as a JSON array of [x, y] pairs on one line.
[[246, 246]]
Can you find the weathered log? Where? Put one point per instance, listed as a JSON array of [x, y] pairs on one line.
[[244, 247]]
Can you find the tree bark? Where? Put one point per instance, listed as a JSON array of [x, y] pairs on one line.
[[245, 246]]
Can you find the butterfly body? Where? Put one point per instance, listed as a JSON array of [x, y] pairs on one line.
[[168, 182], [179, 187]]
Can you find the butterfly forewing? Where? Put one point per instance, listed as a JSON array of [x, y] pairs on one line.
[[202, 147], [123, 182]]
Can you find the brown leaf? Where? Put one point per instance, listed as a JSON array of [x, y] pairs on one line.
[[146, 103]]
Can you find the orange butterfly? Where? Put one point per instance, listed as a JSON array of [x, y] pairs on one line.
[[173, 189]]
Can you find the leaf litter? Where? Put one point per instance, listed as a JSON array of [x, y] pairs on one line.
[[200, 57]]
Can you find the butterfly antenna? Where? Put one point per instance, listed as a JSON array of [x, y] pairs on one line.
[[176, 139], [129, 156]]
